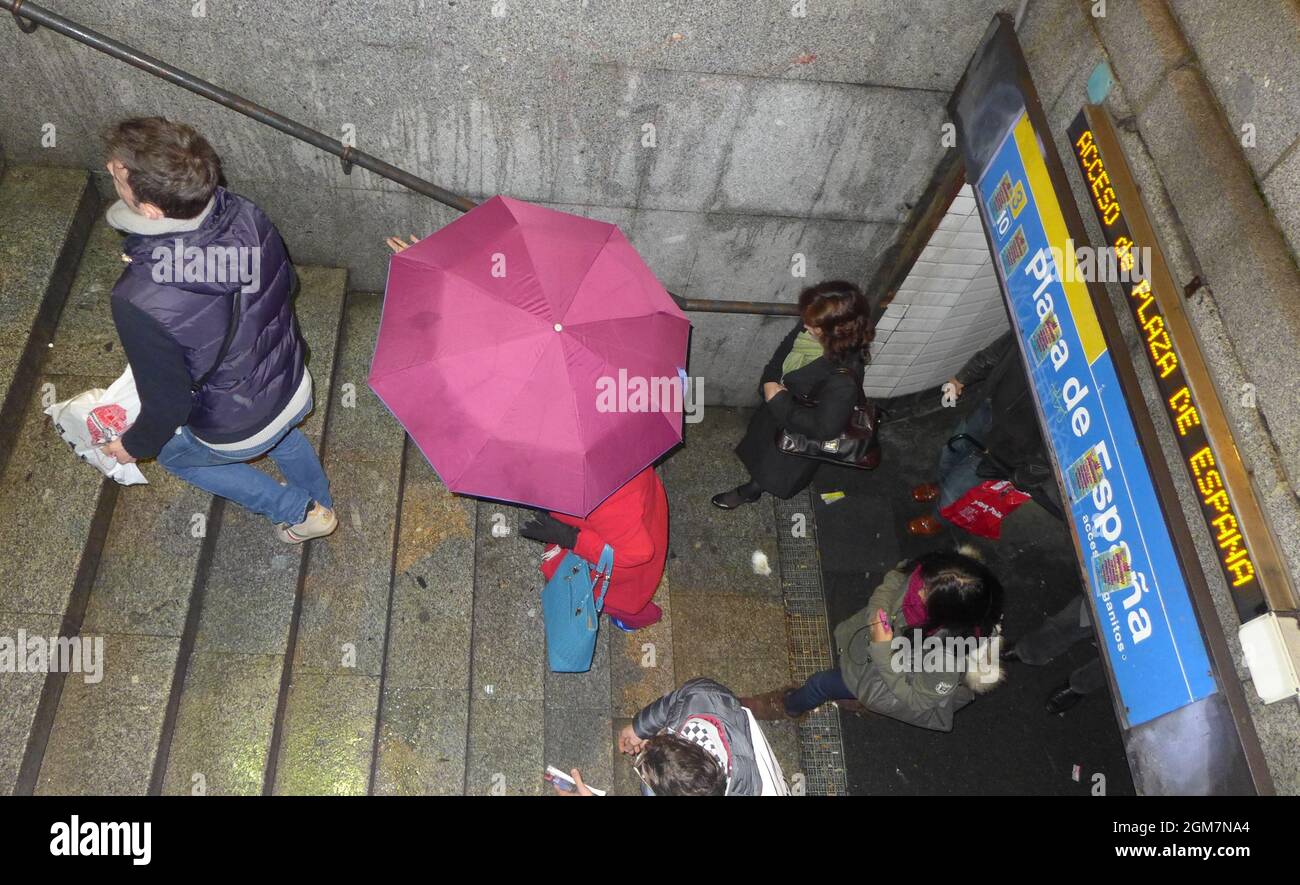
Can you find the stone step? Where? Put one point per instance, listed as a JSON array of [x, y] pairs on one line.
[[424, 706], [235, 593], [324, 742], [104, 734], [729, 622], [105, 737], [507, 713], [45, 214], [54, 512]]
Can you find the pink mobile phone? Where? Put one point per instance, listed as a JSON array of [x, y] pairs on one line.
[[884, 620]]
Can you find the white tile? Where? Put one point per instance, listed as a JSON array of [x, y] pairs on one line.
[[955, 269], [968, 306], [936, 299], [962, 205], [893, 358], [882, 373], [951, 222], [982, 286], [921, 310], [977, 257], [924, 269], [919, 324], [941, 237], [904, 339], [973, 240]]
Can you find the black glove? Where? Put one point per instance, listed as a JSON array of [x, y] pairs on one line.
[[549, 530]]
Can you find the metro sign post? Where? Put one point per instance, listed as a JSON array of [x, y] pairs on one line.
[[1138, 594]]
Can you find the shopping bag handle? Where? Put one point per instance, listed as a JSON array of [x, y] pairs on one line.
[[604, 568]]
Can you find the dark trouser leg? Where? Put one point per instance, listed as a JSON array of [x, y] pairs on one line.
[[957, 468], [1055, 635], [828, 685], [1088, 678]]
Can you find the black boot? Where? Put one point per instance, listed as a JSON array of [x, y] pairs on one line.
[[1062, 699], [746, 494]]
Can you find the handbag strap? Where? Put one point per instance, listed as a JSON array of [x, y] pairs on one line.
[[231, 324], [604, 568]]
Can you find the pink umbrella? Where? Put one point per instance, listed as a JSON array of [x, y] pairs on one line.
[[532, 356]]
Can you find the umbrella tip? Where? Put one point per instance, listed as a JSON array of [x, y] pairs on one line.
[[559, 327]]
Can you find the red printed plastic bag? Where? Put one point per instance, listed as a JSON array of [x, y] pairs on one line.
[[981, 510]]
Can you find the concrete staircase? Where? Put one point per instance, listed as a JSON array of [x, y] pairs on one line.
[[403, 655]]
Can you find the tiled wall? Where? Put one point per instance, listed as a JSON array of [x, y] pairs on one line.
[[947, 308]]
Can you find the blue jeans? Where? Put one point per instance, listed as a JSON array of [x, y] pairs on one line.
[[828, 685], [957, 469], [227, 474]]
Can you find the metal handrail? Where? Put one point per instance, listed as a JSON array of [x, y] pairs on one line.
[[30, 16]]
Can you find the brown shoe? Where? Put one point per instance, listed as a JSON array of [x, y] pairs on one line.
[[924, 526], [925, 493], [769, 706]]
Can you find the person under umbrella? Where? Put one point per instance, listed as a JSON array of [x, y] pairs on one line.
[[633, 521], [529, 356]]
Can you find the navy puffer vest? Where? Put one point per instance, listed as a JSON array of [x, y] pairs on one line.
[[191, 298]]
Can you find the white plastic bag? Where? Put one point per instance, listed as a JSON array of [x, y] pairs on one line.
[[770, 774], [98, 416]]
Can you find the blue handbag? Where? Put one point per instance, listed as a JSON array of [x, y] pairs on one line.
[[571, 614]]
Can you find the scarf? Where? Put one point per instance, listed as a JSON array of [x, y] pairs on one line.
[[914, 610], [707, 732], [127, 220], [806, 349]]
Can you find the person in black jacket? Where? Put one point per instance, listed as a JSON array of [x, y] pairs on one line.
[[810, 386]]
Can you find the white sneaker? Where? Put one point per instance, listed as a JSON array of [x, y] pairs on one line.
[[320, 522]]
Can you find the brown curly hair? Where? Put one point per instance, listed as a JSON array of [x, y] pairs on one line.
[[839, 311]]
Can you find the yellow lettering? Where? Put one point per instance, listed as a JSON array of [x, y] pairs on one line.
[[1201, 460], [1187, 419]]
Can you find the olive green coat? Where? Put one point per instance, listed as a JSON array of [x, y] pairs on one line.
[[879, 673]]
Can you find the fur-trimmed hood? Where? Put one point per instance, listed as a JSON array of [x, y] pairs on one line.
[[988, 672]]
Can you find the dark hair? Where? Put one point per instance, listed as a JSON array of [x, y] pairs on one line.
[[963, 598], [674, 766], [841, 313], [168, 164]]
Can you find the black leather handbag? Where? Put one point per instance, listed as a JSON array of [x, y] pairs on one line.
[[858, 445]]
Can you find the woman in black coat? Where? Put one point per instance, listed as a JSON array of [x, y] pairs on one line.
[[810, 386]]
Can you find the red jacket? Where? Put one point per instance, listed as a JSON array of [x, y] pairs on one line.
[[634, 521]]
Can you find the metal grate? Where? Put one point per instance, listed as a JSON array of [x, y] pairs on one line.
[[808, 639]]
